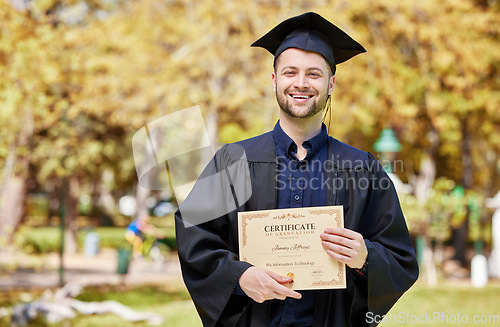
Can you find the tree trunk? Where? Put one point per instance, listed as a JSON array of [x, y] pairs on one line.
[[106, 199], [141, 196], [459, 242], [53, 189], [467, 170], [101, 200], [13, 196], [14, 187], [429, 264], [422, 185], [70, 215], [12, 208], [459, 234]]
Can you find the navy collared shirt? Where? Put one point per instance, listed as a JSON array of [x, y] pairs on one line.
[[300, 183]]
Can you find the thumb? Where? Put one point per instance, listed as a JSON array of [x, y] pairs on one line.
[[277, 277]]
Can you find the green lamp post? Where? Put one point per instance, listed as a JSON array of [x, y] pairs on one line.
[[387, 146]]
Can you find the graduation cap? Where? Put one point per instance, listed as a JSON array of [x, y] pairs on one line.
[[311, 32]]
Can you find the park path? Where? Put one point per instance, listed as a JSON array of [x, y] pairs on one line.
[[97, 270]]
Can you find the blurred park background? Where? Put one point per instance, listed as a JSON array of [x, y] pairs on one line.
[[79, 78]]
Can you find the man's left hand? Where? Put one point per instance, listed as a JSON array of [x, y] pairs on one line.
[[346, 246]]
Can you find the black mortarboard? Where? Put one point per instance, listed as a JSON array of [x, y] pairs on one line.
[[311, 32]]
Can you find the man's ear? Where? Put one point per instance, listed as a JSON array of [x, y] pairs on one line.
[[274, 81], [331, 85]]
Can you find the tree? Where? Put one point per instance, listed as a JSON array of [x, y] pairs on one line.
[[76, 87]]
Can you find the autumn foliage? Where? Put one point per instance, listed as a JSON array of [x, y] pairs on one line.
[[77, 82]]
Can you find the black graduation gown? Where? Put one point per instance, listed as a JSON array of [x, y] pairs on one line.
[[208, 252]]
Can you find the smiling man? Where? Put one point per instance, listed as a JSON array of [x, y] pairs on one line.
[[298, 165], [302, 81]]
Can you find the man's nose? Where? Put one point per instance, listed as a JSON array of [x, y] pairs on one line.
[[301, 82]]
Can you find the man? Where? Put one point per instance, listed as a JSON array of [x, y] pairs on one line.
[[282, 170], [136, 233]]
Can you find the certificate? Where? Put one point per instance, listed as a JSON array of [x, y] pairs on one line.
[[287, 241]]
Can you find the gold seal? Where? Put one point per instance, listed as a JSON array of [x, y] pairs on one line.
[[290, 274]]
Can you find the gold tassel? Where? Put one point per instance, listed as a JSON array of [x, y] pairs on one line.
[[327, 114]]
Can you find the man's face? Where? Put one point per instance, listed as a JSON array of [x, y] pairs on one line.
[[302, 81]]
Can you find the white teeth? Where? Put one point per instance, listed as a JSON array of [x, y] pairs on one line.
[[301, 96]]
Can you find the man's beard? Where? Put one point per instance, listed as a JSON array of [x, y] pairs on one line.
[[313, 108]]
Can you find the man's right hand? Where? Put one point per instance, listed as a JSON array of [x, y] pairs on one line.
[[261, 285]]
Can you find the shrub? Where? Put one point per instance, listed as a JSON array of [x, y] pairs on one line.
[[47, 239]]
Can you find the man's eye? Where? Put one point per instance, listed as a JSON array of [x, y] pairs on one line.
[[289, 73], [314, 75]]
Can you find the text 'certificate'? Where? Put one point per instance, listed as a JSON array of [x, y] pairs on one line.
[[287, 241]]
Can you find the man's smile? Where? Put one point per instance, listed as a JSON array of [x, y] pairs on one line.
[[300, 97]]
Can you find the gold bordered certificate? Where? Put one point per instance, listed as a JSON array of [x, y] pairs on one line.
[[287, 241]]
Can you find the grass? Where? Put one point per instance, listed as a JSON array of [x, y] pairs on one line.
[[177, 314], [174, 305], [445, 305], [170, 301]]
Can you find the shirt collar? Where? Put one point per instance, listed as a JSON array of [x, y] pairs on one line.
[[288, 146]]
